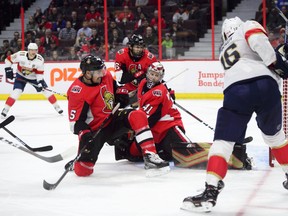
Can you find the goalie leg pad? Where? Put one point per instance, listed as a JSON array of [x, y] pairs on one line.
[[83, 169]]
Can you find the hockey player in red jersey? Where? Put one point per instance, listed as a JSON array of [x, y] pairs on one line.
[[91, 99], [253, 72], [30, 69], [131, 63]]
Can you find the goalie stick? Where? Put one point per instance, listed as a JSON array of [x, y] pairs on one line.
[[51, 159], [49, 186], [39, 149]]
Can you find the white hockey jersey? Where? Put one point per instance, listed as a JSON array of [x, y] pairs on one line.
[[246, 54], [30, 69]]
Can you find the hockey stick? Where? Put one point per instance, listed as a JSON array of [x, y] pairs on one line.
[[39, 149], [246, 140], [7, 121], [51, 159], [49, 186], [47, 89]]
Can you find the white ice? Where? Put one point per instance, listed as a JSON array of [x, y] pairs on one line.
[[120, 187]]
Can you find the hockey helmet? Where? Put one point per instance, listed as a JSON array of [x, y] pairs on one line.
[[229, 26], [91, 63], [155, 74], [136, 40], [32, 46]]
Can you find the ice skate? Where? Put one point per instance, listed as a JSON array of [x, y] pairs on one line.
[[154, 165], [4, 113], [285, 183], [58, 109], [204, 201]]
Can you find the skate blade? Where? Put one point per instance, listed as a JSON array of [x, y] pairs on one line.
[[157, 172], [189, 206]]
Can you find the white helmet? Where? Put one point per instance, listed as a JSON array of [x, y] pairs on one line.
[[155, 74], [32, 46], [230, 26]]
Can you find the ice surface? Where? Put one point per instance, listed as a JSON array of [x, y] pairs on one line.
[[120, 187]]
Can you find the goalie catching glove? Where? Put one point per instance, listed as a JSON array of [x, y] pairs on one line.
[[281, 65], [9, 73]]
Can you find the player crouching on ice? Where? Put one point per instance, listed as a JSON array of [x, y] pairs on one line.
[[91, 99], [253, 72], [30, 69]]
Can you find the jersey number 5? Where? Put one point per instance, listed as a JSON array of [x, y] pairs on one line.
[[230, 56]]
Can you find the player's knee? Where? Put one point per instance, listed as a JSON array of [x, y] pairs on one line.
[[275, 140], [83, 168], [138, 119], [221, 148]]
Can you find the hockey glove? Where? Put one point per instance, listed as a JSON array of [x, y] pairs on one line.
[[139, 76], [281, 65], [172, 94], [122, 97], [9, 73], [42, 85], [85, 137]]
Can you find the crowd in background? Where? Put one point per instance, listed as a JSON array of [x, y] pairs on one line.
[[72, 29]]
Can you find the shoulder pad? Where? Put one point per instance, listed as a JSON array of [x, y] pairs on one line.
[[121, 51], [39, 57], [150, 55], [22, 53]]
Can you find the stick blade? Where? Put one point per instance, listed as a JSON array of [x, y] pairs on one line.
[[43, 149], [7, 121], [48, 186]]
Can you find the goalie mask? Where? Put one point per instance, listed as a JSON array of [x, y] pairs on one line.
[[230, 26], [155, 74]]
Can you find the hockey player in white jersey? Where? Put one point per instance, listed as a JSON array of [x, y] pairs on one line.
[[30, 69], [253, 72]]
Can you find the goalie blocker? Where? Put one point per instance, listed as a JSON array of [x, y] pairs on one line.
[[195, 155]]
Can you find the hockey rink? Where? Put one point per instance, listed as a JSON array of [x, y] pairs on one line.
[[120, 188]]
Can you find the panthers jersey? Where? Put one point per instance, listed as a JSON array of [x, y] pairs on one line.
[[247, 54], [159, 108], [31, 69]]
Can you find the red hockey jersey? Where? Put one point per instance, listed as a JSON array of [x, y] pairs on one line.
[[151, 102]]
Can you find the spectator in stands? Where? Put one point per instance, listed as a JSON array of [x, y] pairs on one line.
[[176, 27], [125, 16], [7, 53], [112, 26], [49, 41], [38, 15], [67, 33], [180, 15], [53, 15], [93, 15], [141, 29], [59, 24], [44, 25], [115, 38], [54, 56], [151, 40], [66, 9], [85, 29], [81, 40], [126, 38], [75, 21], [41, 49], [31, 25], [141, 3], [167, 45], [72, 54], [138, 13], [195, 12], [5, 46], [13, 42], [154, 21], [29, 38], [128, 3], [139, 21], [18, 46], [95, 40]]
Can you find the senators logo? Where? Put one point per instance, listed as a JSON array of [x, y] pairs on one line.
[[132, 68], [108, 98]]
